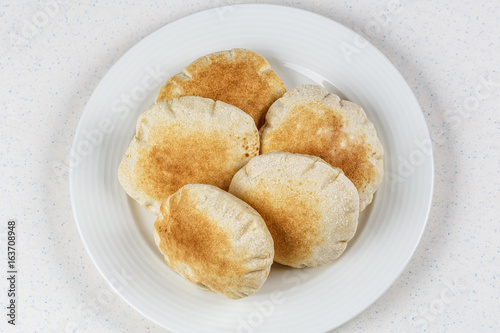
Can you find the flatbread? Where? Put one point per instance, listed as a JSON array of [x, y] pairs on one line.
[[309, 120], [310, 207], [186, 140], [214, 240], [239, 77]]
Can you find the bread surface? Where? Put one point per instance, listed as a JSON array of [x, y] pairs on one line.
[[309, 120], [214, 240], [310, 207], [239, 77], [186, 140]]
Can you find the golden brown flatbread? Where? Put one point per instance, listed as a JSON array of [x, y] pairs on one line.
[[310, 207], [239, 77], [186, 140], [214, 240], [309, 120]]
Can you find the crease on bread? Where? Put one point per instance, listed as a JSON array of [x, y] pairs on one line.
[[238, 77], [214, 240], [309, 120], [186, 140], [310, 207]]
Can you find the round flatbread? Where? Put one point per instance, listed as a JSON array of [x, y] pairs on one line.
[[239, 77], [186, 140], [309, 120], [310, 207], [214, 240]]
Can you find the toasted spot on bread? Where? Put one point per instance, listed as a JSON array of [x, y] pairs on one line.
[[238, 77], [186, 140], [214, 240], [294, 239], [321, 133], [169, 165], [200, 243], [310, 207], [309, 120]]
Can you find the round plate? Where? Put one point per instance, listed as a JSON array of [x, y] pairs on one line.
[[302, 47]]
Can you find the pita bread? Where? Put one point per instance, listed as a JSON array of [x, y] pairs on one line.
[[239, 77], [182, 141], [309, 120], [310, 207], [214, 240]]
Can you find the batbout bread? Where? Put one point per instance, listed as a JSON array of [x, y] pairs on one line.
[[309, 120], [214, 240], [310, 207], [239, 77], [186, 140]]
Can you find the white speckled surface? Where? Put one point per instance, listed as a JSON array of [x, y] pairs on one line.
[[447, 51]]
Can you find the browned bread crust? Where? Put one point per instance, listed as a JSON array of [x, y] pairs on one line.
[[239, 77], [214, 240], [309, 120], [186, 140]]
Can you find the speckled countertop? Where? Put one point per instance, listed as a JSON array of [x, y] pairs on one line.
[[54, 53]]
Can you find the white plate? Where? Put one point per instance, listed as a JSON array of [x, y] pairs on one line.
[[303, 48]]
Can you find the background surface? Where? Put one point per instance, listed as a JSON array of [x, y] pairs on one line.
[[53, 54]]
